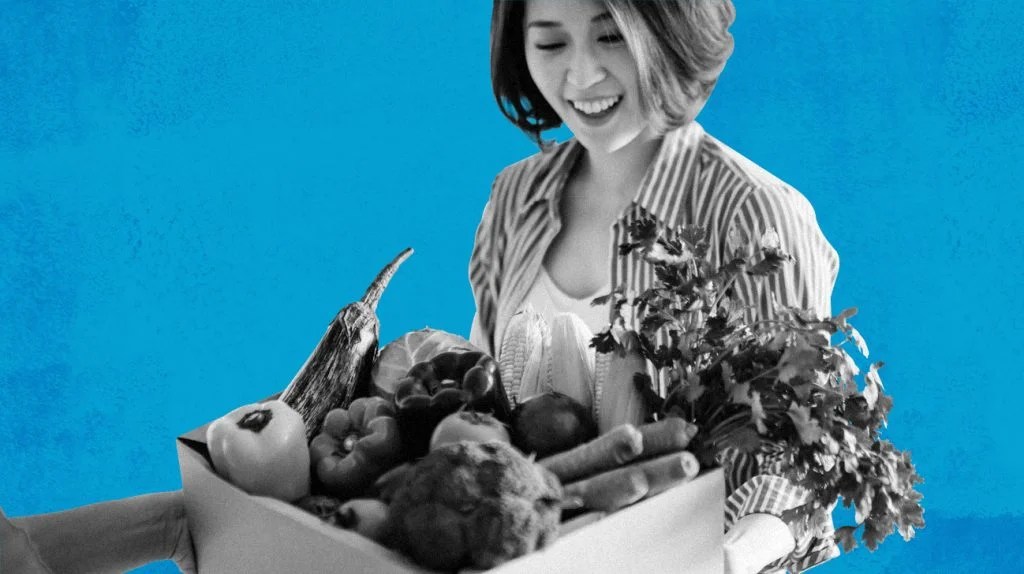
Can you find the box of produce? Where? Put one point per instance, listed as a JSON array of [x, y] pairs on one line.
[[679, 530], [432, 455]]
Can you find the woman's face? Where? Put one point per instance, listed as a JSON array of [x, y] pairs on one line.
[[583, 68]]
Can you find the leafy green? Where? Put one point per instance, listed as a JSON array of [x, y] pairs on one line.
[[751, 384]]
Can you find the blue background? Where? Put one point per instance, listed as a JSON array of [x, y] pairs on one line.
[[190, 190]]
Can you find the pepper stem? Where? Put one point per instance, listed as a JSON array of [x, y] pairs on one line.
[[256, 420]]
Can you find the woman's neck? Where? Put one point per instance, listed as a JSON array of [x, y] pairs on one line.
[[617, 175]]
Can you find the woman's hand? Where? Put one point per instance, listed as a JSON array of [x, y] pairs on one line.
[[113, 536], [755, 541]]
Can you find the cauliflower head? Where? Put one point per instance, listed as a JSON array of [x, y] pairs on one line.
[[474, 505]]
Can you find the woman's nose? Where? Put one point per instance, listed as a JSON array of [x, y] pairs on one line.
[[584, 70]]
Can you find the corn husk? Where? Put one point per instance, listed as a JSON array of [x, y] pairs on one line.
[[620, 402], [569, 362], [535, 380]]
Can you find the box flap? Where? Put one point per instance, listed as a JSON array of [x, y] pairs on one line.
[[196, 440], [195, 435]]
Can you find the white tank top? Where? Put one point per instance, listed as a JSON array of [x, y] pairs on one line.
[[549, 300]]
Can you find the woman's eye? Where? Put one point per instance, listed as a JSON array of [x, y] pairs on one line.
[[549, 46], [614, 38]]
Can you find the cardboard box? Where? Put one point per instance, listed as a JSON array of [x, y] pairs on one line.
[[679, 530]]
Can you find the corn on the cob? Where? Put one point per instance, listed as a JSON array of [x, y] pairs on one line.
[[620, 402], [338, 370], [570, 365], [521, 351], [535, 381], [602, 361]]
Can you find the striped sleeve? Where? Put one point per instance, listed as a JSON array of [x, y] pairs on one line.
[[806, 283], [753, 485], [775, 495], [484, 267]]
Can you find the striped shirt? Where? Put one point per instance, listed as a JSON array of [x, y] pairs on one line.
[[693, 180]]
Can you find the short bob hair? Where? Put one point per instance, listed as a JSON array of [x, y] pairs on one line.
[[680, 48]]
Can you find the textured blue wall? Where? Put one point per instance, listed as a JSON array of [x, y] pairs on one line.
[[190, 190]]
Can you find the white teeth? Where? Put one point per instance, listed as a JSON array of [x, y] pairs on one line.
[[592, 107]]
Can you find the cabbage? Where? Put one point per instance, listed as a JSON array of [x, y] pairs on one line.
[[398, 356]]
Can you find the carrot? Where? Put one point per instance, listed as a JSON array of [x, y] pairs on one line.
[[611, 490], [671, 434], [614, 448], [669, 470]]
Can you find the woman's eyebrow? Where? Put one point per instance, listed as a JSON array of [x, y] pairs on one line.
[[543, 24], [602, 17]]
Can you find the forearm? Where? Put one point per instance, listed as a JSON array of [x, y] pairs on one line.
[[757, 487], [109, 536]]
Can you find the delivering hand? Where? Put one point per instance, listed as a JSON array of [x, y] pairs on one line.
[[112, 536], [17, 553]]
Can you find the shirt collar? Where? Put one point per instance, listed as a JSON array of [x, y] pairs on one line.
[[674, 169]]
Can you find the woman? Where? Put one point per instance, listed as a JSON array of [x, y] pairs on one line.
[[628, 78]]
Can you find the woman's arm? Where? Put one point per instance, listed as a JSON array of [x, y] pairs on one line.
[[477, 336], [113, 536], [758, 497], [483, 272]]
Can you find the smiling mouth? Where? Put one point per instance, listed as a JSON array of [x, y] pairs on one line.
[[597, 107]]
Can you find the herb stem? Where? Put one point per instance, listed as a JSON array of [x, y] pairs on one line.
[[724, 290], [759, 375], [716, 412]]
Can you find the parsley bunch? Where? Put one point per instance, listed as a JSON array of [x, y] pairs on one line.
[[784, 385]]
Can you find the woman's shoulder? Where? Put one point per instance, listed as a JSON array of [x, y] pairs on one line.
[[533, 177], [550, 154], [758, 201], [753, 184]]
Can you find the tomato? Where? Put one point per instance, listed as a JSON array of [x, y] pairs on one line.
[[261, 448], [468, 426]]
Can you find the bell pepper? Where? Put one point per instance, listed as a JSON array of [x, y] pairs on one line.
[[446, 383], [261, 448], [356, 446]]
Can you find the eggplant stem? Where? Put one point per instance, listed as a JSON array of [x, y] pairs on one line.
[[373, 292]]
